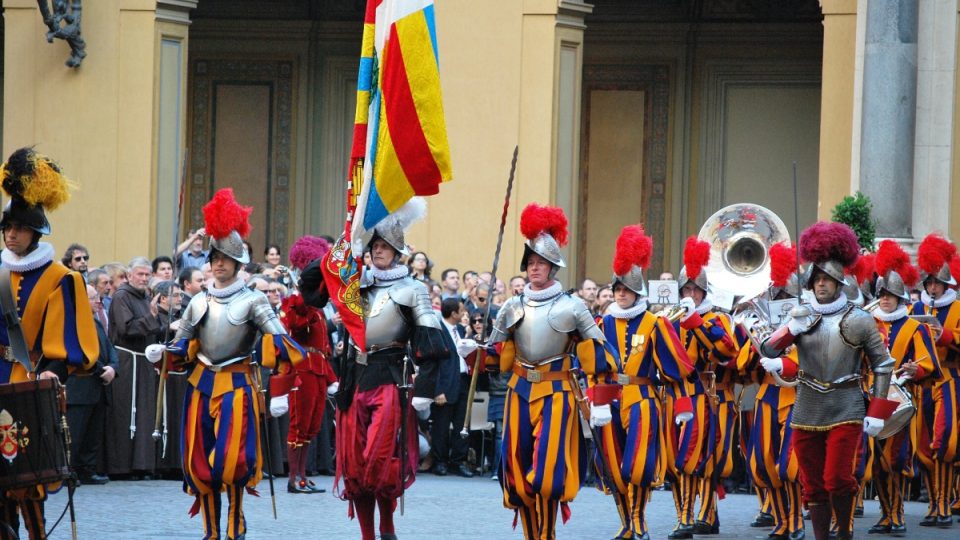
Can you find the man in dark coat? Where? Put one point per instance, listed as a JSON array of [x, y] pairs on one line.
[[88, 395], [133, 326], [450, 405]]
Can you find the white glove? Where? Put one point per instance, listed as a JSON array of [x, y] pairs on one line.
[[772, 365], [332, 389], [901, 380], [798, 326], [421, 404], [465, 347], [683, 418], [600, 415], [279, 406], [154, 352], [689, 307], [872, 426]]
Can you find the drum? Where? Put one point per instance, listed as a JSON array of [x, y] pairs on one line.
[[33, 434], [902, 415]]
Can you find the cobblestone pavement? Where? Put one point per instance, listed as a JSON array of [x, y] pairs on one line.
[[436, 508]]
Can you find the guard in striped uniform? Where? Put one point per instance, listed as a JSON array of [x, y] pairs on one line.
[[705, 445], [534, 337], [57, 325], [220, 436], [769, 455], [641, 348], [912, 347], [939, 430]]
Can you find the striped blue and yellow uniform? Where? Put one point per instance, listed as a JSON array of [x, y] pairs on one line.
[[633, 446], [705, 444], [220, 430], [939, 411], [769, 454], [894, 457], [57, 326]]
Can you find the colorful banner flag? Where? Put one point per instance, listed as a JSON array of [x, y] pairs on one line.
[[400, 146], [406, 152]]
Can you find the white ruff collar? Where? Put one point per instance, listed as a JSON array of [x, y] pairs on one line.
[[705, 307], [830, 308], [948, 297], [231, 289], [894, 315], [629, 313], [543, 294], [31, 261], [389, 274]]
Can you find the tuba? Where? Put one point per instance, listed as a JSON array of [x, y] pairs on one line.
[[740, 238]]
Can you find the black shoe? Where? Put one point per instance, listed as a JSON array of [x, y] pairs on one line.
[[858, 511], [880, 528], [797, 535], [944, 522], [702, 527], [439, 469], [681, 532], [763, 519], [775, 536], [388, 536], [464, 471], [928, 521], [311, 486], [297, 488], [94, 480], [898, 530], [644, 536]]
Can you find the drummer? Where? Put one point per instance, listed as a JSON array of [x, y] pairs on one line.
[[913, 349], [57, 325]]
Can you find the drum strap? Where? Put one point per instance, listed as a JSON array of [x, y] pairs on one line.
[[12, 319]]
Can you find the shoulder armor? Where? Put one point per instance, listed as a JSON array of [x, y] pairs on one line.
[[405, 291], [568, 314], [510, 314], [855, 323], [196, 309]]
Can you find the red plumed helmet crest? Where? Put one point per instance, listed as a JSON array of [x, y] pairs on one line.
[[224, 214], [863, 268], [890, 256], [934, 252], [783, 263], [829, 241], [910, 275], [634, 248], [696, 255], [536, 219], [306, 249]]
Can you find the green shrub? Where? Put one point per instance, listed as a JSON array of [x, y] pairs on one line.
[[854, 211]]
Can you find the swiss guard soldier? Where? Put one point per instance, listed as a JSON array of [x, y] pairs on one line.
[[712, 347], [940, 432], [534, 337], [912, 346], [831, 336], [308, 397], [56, 323], [218, 333], [377, 441], [641, 348]]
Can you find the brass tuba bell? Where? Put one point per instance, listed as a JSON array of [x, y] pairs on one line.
[[740, 237]]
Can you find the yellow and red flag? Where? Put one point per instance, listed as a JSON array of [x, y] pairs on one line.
[[400, 146]]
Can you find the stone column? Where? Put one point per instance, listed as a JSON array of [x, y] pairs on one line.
[[889, 113]]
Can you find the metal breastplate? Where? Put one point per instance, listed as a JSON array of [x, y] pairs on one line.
[[826, 357], [535, 338], [225, 333], [385, 322]]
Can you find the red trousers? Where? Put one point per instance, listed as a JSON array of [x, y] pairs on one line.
[[827, 461], [306, 408], [368, 453]]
